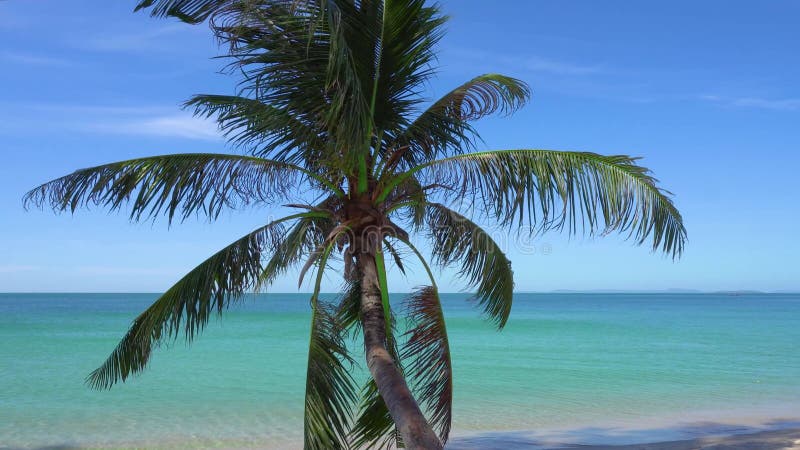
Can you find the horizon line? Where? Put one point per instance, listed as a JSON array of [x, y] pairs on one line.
[[676, 291]]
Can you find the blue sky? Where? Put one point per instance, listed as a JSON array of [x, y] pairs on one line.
[[706, 92]]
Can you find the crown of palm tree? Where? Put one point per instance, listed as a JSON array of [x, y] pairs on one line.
[[329, 108]]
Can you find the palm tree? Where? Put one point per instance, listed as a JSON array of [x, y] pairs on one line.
[[331, 122]]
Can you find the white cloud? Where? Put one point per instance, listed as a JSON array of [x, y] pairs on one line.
[[163, 38], [532, 63], [134, 120], [31, 59], [103, 110], [180, 126], [784, 104], [538, 64]]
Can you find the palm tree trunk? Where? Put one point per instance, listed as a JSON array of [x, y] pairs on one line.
[[407, 416]]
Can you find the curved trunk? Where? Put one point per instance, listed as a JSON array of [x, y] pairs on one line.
[[407, 416]]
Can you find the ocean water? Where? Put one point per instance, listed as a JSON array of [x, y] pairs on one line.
[[567, 365]]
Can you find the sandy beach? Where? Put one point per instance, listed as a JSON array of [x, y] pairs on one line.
[[765, 440], [783, 435]]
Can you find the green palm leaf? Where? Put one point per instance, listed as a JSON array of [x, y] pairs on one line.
[[265, 129], [427, 357], [330, 392], [410, 30], [457, 240], [329, 386], [186, 307], [374, 427], [556, 189], [190, 11], [348, 312], [444, 126], [302, 239], [309, 59], [428, 350], [187, 184], [396, 256]]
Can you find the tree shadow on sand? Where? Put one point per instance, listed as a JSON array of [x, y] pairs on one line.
[[774, 435]]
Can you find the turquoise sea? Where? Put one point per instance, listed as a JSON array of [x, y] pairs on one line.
[[577, 367]]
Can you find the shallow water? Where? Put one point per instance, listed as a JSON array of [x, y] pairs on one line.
[[565, 362]]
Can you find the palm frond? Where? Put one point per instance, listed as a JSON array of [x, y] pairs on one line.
[[458, 240], [380, 264], [426, 354], [187, 306], [186, 184], [374, 427], [350, 77], [337, 70], [308, 59], [305, 237], [263, 129], [551, 190], [410, 30], [481, 96], [330, 392], [396, 256], [444, 127], [348, 311], [190, 11]]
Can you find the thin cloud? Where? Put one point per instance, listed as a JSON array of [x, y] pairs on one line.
[[538, 64], [781, 104], [31, 59], [178, 126], [134, 120], [162, 38], [531, 63], [103, 110]]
